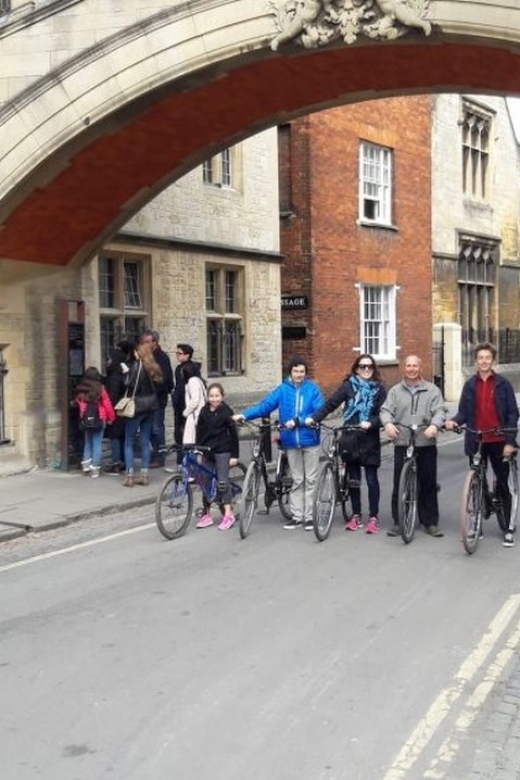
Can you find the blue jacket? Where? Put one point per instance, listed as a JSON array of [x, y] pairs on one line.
[[294, 402], [505, 404]]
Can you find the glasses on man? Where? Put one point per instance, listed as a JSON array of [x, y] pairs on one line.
[[366, 366]]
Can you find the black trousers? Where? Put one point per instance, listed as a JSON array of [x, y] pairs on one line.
[[492, 452], [427, 501]]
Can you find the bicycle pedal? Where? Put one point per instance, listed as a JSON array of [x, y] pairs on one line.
[[353, 483], [287, 482]]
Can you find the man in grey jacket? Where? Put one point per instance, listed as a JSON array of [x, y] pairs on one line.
[[414, 401]]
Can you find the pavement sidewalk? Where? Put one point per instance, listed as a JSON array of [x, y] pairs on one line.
[[40, 499]]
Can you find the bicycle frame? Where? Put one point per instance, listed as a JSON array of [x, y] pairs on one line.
[[408, 488]]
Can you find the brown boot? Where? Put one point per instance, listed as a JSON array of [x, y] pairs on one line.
[[141, 480], [128, 481]]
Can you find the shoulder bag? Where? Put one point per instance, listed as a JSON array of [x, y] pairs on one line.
[[125, 407]]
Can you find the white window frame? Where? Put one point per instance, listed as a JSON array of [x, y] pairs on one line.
[[375, 184], [378, 334], [221, 170]]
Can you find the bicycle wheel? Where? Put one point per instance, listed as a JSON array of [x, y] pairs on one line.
[[471, 512], [512, 484], [284, 483], [407, 504], [248, 498], [324, 503], [173, 507]]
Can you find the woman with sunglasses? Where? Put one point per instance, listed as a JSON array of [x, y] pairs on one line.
[[362, 394]]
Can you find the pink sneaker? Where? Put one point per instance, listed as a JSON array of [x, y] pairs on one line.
[[354, 523], [227, 522], [205, 521], [373, 525]]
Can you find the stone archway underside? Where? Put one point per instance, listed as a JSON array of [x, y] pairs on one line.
[[81, 195]]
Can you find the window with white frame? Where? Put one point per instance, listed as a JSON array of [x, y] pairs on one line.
[[378, 320], [219, 171], [375, 184], [476, 128], [124, 292], [224, 320]]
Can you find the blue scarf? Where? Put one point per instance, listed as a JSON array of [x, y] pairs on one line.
[[359, 408]]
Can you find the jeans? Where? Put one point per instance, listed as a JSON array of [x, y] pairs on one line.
[[492, 452], [117, 449], [220, 460], [354, 472], [158, 438], [93, 445], [143, 423], [304, 465]]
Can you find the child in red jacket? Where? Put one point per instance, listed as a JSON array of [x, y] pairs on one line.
[[95, 412]]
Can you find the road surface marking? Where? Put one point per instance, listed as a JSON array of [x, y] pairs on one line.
[[74, 547], [451, 745], [428, 725]]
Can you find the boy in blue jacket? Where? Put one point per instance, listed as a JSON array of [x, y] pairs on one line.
[[296, 398]]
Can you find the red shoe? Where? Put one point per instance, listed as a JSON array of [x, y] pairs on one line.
[[355, 522]]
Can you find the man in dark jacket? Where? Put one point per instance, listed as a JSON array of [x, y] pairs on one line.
[[163, 393], [488, 402]]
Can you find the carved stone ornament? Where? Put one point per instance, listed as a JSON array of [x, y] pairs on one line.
[[315, 23]]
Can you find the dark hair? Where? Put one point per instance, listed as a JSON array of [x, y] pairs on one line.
[[297, 360], [186, 348], [89, 386], [190, 369], [376, 376], [217, 386], [485, 345]]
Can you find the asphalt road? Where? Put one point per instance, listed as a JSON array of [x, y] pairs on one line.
[[124, 656]]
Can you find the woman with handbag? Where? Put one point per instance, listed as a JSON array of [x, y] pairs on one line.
[[362, 394], [145, 373]]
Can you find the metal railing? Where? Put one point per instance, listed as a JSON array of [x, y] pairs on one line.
[[3, 373]]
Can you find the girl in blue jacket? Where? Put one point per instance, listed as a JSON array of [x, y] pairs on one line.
[[296, 398]]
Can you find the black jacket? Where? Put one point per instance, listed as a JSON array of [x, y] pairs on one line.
[[164, 389], [216, 429], [505, 405], [369, 442]]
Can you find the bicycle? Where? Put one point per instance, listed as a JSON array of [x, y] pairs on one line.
[[333, 485], [174, 504], [276, 490], [408, 489], [478, 501]]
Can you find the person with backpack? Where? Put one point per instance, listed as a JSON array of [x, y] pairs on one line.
[[362, 394], [95, 412]]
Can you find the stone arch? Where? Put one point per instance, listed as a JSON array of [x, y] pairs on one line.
[[90, 142]]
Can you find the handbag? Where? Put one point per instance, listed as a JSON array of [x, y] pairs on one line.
[[125, 407], [349, 446]]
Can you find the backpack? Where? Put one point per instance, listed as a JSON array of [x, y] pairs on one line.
[[90, 419]]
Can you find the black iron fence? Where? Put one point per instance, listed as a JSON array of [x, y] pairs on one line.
[[509, 346]]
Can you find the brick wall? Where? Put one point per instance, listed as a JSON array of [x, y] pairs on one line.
[[328, 252]]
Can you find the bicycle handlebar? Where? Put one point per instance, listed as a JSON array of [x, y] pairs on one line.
[[484, 431]]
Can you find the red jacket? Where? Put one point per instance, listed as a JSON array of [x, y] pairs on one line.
[[106, 410]]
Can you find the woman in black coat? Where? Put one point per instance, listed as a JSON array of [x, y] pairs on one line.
[[362, 394]]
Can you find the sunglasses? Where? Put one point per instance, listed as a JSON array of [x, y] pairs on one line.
[[366, 365]]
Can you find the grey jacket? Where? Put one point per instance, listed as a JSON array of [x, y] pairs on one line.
[[425, 406]]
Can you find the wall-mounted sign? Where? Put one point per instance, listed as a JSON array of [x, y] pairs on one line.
[[295, 302]]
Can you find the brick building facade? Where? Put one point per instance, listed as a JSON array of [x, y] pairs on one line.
[[355, 199]]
